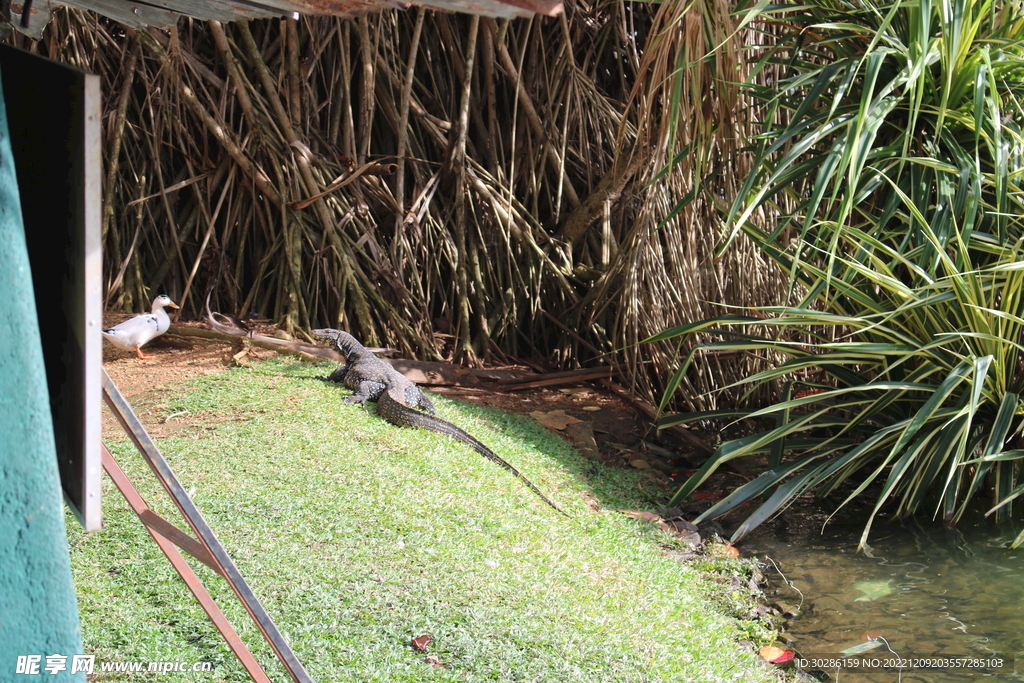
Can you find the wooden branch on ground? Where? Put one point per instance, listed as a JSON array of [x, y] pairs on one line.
[[272, 343], [549, 379]]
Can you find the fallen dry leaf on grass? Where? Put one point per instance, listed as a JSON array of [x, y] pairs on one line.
[[582, 435], [723, 550], [645, 516], [775, 655], [435, 660], [556, 419], [239, 358], [421, 642], [641, 514], [684, 531]]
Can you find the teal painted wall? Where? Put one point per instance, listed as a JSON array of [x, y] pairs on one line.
[[38, 610]]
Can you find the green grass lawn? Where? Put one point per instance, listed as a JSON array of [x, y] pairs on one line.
[[358, 536]]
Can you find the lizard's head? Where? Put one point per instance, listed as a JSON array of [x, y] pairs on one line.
[[325, 334], [344, 341]]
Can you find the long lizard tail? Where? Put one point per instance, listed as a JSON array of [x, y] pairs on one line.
[[404, 416]]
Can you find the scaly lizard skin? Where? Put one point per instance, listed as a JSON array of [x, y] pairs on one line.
[[398, 397]]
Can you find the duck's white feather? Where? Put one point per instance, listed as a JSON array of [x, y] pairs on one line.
[[133, 333]]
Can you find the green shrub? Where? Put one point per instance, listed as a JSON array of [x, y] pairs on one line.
[[887, 184], [921, 396]]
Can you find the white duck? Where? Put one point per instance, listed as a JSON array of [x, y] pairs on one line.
[[133, 333]]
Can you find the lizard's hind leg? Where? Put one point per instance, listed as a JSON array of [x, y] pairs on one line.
[[415, 398], [368, 391]]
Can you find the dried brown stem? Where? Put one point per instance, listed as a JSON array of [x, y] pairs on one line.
[[116, 133], [230, 62], [536, 123], [212, 125], [403, 116]]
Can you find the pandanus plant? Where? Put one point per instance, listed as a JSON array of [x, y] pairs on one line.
[[887, 184]]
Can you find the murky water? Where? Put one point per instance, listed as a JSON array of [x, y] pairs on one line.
[[951, 601]]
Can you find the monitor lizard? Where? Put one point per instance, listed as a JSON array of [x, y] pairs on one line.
[[399, 400]]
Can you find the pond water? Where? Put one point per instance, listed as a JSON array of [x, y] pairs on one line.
[[949, 600]]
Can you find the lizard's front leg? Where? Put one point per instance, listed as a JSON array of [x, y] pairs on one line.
[[367, 391], [337, 376]]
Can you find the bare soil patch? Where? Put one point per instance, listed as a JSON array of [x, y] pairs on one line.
[[175, 361]]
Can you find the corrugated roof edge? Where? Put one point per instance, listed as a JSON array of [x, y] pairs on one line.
[[165, 13]]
